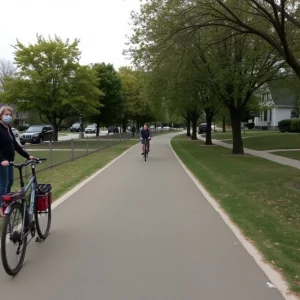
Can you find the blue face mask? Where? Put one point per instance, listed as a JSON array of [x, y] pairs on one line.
[[7, 119]]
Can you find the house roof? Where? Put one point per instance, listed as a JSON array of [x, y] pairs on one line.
[[284, 93]]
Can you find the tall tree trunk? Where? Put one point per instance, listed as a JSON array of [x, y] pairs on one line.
[[124, 124], [237, 145], [209, 117], [188, 128], [98, 127], [194, 129], [224, 124], [55, 132]]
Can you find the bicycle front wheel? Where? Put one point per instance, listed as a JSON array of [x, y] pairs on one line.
[[13, 240]]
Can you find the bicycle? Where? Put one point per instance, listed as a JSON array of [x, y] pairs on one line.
[[146, 150], [29, 213]]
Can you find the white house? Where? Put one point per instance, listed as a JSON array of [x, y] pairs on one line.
[[277, 101]]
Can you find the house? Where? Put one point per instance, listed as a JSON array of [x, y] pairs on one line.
[[20, 118], [277, 103]]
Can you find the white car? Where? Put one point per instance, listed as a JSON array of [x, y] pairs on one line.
[[17, 135]]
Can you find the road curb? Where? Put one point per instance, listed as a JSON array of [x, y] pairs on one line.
[[274, 276]]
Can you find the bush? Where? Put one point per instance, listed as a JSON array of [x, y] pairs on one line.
[[295, 125], [285, 125]]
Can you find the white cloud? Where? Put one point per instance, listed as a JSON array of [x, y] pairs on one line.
[[101, 25]]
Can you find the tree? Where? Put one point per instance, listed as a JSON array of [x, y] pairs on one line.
[[235, 65], [7, 69], [51, 81], [275, 22], [134, 99], [109, 83]]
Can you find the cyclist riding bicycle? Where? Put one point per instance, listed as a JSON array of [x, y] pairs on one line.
[[145, 135]]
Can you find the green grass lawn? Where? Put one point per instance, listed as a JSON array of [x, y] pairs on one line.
[[260, 196], [289, 154], [272, 142], [248, 133], [76, 144], [57, 157]]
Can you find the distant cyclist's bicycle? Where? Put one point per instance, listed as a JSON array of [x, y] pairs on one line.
[[146, 148], [24, 216]]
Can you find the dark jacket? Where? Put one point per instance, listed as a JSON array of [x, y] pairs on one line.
[[8, 145], [145, 134]]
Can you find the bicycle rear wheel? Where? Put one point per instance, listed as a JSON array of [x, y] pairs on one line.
[[145, 150], [13, 244], [43, 221]]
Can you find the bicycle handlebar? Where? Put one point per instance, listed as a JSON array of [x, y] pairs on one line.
[[28, 162]]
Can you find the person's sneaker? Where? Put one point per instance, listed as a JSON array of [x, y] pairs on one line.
[[142, 153]]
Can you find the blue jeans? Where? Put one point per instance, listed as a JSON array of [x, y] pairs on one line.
[[6, 180]]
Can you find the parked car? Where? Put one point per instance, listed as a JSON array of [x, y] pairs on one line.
[[16, 134], [75, 127], [113, 129], [37, 134], [91, 128], [202, 128]]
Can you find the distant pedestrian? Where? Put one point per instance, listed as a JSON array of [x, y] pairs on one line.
[[133, 130]]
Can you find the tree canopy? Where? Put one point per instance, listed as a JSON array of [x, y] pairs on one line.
[[51, 81]]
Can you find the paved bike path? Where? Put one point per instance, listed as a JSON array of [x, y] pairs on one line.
[[139, 231]]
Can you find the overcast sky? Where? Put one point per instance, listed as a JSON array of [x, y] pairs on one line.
[[101, 25]]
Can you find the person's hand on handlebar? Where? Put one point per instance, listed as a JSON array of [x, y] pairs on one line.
[[5, 163], [31, 157]]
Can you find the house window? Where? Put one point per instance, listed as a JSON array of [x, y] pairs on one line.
[[265, 115], [270, 115]]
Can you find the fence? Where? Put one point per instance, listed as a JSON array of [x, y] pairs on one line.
[[63, 151]]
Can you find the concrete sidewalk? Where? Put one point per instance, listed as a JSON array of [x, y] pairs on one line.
[[263, 154], [139, 231]]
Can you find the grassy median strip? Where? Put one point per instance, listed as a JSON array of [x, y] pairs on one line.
[[289, 154], [260, 196], [272, 141], [247, 134]]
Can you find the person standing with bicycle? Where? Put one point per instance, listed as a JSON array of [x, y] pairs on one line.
[[8, 146], [145, 135]]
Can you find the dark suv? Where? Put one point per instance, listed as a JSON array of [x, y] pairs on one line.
[[202, 128], [37, 134], [75, 127]]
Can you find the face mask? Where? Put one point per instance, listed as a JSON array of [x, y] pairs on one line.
[[7, 119]]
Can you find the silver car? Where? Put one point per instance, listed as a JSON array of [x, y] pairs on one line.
[[91, 129]]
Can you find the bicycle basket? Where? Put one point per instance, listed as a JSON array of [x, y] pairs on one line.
[[8, 198], [44, 197]]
